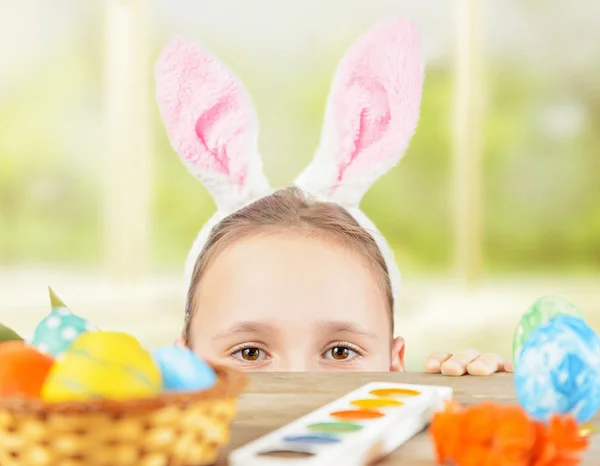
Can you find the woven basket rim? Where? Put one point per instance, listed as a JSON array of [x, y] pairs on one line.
[[230, 383]]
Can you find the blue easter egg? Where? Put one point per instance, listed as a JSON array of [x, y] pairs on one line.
[[559, 370], [182, 370]]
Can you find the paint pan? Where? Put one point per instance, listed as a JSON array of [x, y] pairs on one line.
[[378, 417]]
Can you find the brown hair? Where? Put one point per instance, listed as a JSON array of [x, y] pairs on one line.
[[290, 209]]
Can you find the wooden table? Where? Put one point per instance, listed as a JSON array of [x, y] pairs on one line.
[[275, 399]]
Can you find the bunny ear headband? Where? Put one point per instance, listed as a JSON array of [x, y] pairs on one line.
[[371, 114]]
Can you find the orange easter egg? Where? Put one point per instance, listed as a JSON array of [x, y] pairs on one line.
[[23, 369]]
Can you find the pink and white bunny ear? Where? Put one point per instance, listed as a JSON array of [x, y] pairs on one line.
[[372, 113], [211, 122]]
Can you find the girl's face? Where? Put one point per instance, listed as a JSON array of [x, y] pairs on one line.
[[292, 303]]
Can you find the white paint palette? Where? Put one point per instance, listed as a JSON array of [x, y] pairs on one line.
[[355, 430]]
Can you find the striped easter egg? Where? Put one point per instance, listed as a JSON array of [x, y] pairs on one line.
[[107, 365]]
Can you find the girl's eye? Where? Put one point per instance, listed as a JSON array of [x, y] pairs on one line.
[[340, 353], [250, 355]]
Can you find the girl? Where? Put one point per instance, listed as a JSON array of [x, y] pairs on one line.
[[299, 278]]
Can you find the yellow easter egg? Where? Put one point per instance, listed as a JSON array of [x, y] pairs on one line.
[[109, 365]]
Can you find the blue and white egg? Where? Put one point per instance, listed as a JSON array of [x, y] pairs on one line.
[[559, 370]]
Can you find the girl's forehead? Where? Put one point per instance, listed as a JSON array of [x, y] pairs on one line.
[[289, 280], [287, 261]]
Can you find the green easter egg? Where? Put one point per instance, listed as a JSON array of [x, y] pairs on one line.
[[8, 334], [55, 333], [539, 313]]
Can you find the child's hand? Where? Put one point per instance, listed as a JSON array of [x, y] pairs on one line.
[[466, 361]]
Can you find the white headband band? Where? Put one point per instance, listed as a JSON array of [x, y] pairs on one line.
[[371, 115]]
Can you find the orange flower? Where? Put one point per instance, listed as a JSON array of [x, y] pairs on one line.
[[444, 432], [475, 455], [479, 423], [490, 434], [540, 441], [561, 443], [514, 436]]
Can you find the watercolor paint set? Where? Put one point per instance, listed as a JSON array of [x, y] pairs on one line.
[[357, 429]]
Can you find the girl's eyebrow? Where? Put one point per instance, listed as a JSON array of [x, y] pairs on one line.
[[337, 326], [263, 328], [246, 327]]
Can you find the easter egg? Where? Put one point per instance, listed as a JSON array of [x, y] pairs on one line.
[[539, 313], [559, 370], [55, 333], [23, 369], [109, 365], [182, 370], [8, 334]]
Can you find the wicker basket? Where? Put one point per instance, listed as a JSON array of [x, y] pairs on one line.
[[183, 429]]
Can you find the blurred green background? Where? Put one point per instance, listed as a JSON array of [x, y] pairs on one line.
[[541, 143]]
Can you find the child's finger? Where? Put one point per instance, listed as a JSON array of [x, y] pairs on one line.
[[457, 364], [509, 366], [433, 364], [485, 365]]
